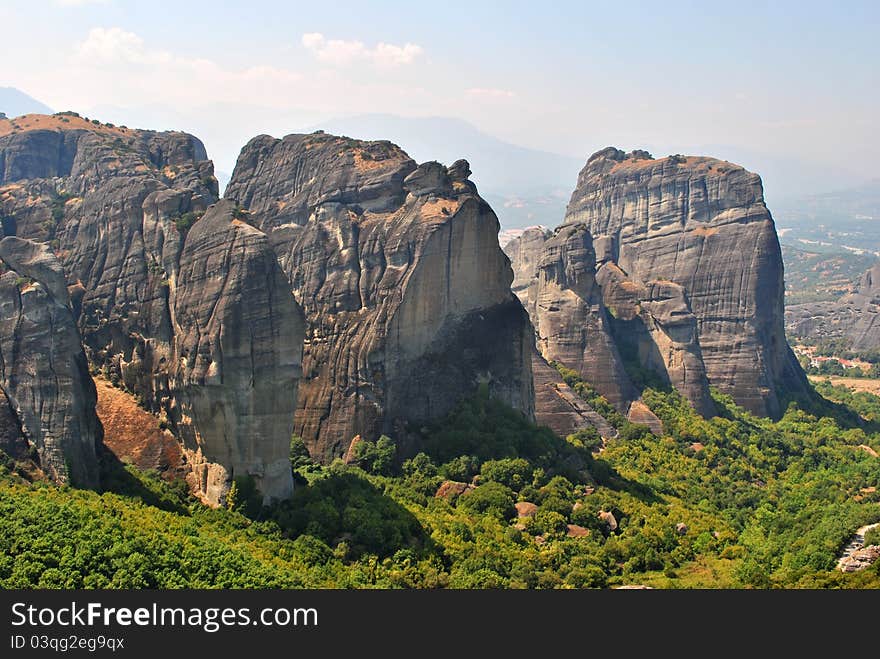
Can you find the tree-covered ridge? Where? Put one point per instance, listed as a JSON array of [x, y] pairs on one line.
[[863, 403], [728, 502]]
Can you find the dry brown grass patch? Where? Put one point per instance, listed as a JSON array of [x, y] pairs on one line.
[[31, 122]]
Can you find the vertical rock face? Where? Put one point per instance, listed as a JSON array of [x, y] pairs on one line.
[[47, 398], [237, 355], [690, 271], [865, 332], [657, 331], [397, 267], [114, 204], [700, 224], [525, 252], [566, 306], [183, 314]]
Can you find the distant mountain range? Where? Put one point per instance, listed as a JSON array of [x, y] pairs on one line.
[[14, 103], [861, 202]]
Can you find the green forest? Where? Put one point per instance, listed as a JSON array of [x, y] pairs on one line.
[[733, 501]]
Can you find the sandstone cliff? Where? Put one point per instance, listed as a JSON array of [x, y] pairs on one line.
[[405, 290], [571, 323], [524, 251], [682, 275], [178, 308], [854, 318], [114, 204], [47, 398], [237, 355]]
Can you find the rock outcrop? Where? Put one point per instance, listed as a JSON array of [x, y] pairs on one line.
[[865, 303], [559, 408], [47, 398], [179, 305], [856, 555], [237, 356], [674, 269], [525, 251], [115, 204], [405, 290], [571, 323], [451, 490], [854, 319]]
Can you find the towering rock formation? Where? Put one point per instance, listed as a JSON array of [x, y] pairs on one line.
[[854, 319], [47, 398], [687, 260], [115, 204], [397, 267], [572, 326], [179, 308], [524, 251], [237, 355]]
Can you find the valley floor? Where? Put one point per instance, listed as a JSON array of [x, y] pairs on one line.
[[870, 385]]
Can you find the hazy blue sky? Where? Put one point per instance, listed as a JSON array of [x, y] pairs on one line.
[[797, 80]]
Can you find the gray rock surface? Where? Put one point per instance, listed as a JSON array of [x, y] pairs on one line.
[[572, 326], [405, 290], [237, 356], [701, 224], [112, 204], [181, 315], [654, 326], [686, 282], [854, 318], [12, 440], [47, 398], [525, 251], [561, 409]]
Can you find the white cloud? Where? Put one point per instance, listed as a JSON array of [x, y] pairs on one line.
[[340, 52], [120, 75], [490, 92], [391, 55], [114, 51], [312, 40], [112, 44], [112, 63]]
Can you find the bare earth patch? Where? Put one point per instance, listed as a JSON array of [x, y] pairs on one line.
[[855, 384], [29, 122], [133, 434]]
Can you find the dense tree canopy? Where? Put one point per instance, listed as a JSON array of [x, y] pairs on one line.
[[731, 501]]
